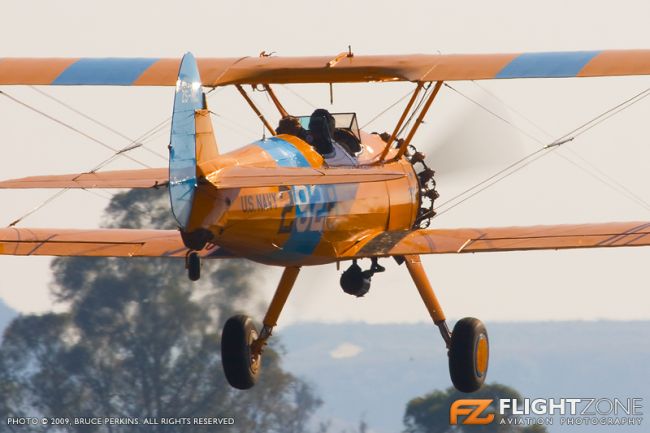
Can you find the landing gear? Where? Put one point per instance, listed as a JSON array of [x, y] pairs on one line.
[[240, 364], [193, 265], [468, 354], [242, 346], [356, 282], [468, 345]]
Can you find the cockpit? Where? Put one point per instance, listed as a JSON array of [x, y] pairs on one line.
[[334, 135], [346, 130]]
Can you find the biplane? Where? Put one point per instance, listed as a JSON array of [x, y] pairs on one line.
[[316, 191]]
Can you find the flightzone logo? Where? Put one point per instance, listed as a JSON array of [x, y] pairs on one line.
[[547, 411], [474, 412]]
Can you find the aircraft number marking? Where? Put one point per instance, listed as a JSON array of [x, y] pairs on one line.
[[311, 205]]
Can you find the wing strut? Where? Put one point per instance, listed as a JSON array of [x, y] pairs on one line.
[[393, 136], [416, 125], [256, 110], [423, 112], [276, 101]]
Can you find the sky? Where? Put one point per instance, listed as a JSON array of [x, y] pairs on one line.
[[465, 143]]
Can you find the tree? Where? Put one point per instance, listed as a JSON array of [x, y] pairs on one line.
[[140, 340], [430, 413]]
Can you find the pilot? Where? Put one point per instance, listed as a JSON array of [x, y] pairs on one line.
[[291, 125], [321, 128]]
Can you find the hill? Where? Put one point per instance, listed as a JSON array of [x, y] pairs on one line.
[[372, 371]]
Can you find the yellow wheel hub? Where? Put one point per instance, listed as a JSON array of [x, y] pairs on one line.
[[482, 353]]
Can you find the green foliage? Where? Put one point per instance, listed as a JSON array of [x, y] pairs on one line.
[[140, 340], [430, 413]]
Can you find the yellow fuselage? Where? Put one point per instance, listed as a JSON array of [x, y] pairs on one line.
[[302, 224]]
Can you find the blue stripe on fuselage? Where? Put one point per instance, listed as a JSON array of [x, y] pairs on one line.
[[313, 203], [547, 65], [108, 71], [283, 152]]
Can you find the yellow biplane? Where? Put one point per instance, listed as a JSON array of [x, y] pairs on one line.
[[317, 191]]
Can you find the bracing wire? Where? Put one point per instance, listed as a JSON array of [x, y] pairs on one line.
[[95, 121], [235, 126], [146, 136], [603, 178], [539, 153], [299, 96], [535, 125], [595, 172], [503, 119], [60, 192], [387, 109], [423, 98], [68, 126]]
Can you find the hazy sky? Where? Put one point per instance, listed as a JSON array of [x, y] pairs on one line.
[[587, 284]]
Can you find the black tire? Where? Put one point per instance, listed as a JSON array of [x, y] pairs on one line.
[[194, 266], [468, 354], [240, 368]]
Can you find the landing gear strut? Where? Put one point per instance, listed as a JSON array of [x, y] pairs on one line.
[[468, 344], [242, 346]]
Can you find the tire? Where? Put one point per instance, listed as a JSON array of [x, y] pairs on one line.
[[194, 266], [240, 368], [468, 354]]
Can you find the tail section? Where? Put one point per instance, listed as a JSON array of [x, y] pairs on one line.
[[192, 140]]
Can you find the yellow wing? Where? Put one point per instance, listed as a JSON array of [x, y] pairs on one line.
[[145, 178], [325, 69], [97, 243], [250, 177], [229, 177], [474, 240]]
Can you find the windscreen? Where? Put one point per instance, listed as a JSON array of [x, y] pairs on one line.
[[346, 121]]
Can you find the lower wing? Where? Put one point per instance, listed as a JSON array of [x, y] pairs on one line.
[[474, 240], [97, 243], [143, 178], [229, 177]]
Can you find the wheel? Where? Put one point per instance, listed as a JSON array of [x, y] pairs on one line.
[[468, 354], [239, 364], [193, 266]]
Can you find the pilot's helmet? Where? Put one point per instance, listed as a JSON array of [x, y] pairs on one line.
[[321, 120]]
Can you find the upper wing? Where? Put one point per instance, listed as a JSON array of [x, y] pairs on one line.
[[144, 178], [473, 240], [97, 243], [334, 69]]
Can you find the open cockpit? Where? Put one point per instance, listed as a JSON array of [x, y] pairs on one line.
[[333, 135]]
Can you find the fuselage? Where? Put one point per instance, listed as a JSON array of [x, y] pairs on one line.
[[302, 224]]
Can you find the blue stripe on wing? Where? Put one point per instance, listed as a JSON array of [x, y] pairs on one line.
[[547, 65], [108, 71]]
